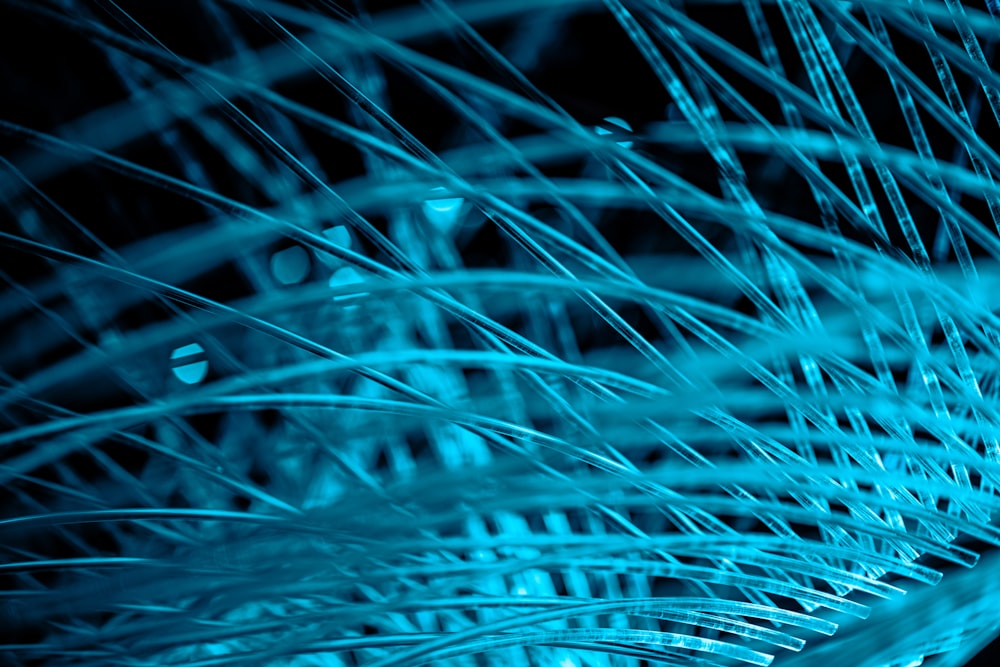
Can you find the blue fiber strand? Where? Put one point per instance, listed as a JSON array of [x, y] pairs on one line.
[[586, 333]]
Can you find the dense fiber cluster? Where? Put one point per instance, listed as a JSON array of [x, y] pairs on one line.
[[577, 333]]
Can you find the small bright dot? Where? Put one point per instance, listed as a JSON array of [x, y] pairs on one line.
[[521, 590], [338, 235], [188, 364], [443, 213], [346, 275], [618, 123], [290, 266]]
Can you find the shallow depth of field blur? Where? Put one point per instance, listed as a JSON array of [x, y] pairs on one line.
[[575, 333]]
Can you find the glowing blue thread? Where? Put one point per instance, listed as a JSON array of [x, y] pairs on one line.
[[617, 124], [703, 402]]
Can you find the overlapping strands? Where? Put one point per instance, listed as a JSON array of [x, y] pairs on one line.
[[508, 332]]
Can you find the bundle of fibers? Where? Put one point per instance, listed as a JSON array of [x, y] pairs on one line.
[[577, 333]]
